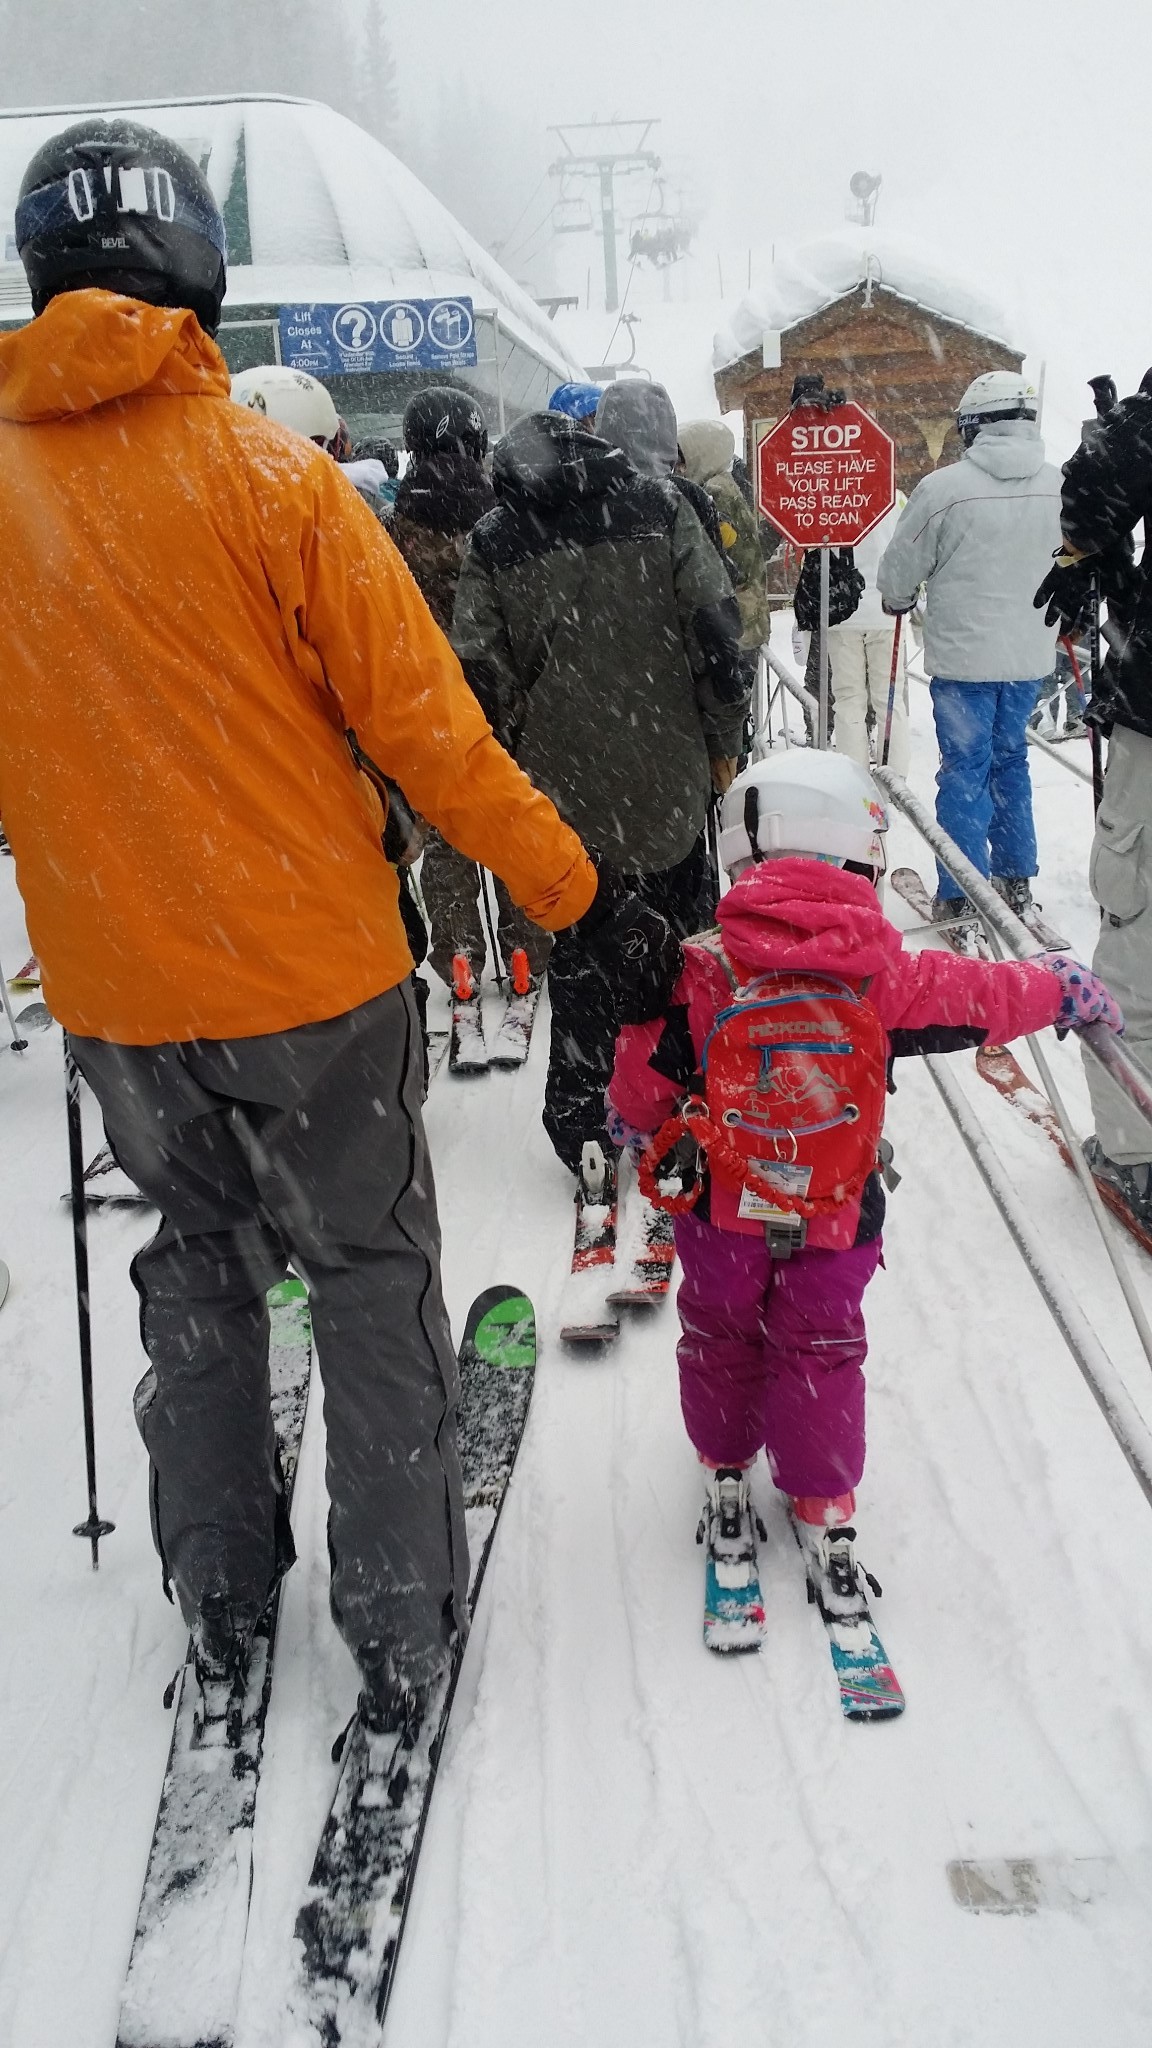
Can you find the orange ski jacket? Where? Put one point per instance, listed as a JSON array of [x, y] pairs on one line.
[[194, 608]]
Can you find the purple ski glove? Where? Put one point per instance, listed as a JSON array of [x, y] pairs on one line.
[[623, 1134], [1086, 1000]]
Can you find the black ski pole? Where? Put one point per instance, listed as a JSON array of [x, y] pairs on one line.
[[93, 1528], [1094, 663], [18, 1044], [1104, 398]]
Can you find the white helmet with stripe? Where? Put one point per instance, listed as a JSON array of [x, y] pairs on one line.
[[292, 397], [802, 801]]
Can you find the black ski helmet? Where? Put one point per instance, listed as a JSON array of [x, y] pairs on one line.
[[445, 421], [115, 204]]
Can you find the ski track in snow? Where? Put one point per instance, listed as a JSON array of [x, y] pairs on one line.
[[633, 1841]]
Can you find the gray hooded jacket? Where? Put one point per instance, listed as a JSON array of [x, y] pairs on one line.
[[981, 535]]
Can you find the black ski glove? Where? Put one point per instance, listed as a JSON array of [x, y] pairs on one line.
[[636, 947], [1066, 591]]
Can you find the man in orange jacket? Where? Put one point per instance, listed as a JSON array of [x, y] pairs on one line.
[[197, 610]]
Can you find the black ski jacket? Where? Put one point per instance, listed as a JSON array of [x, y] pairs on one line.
[[1107, 491], [597, 626]]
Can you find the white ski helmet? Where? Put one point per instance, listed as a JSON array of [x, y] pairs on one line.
[[802, 800], [292, 397], [997, 395]]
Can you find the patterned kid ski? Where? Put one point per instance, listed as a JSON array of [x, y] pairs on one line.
[[350, 1925], [183, 1982], [998, 1065], [869, 1688], [587, 1316], [733, 1604], [467, 1051], [514, 1038], [650, 1246]]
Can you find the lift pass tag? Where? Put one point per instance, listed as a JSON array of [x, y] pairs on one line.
[[781, 1177]]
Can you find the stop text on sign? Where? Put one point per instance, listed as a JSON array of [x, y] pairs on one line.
[[826, 478], [826, 436]]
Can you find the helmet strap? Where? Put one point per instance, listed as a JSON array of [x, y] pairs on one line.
[[752, 822]]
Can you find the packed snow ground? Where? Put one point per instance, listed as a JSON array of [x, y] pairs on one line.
[[633, 1842]]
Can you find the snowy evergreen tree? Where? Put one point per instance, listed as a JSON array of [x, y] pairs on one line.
[[162, 49], [377, 99]]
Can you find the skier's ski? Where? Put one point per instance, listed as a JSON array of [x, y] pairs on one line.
[[964, 934], [514, 1038], [183, 1980], [29, 975], [5, 1282], [733, 1604], [467, 1053], [350, 1924], [586, 1314], [650, 1247], [107, 1186], [35, 1017], [1045, 933], [869, 1688], [437, 1053], [998, 1065]]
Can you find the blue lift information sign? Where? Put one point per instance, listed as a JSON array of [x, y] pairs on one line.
[[379, 334]]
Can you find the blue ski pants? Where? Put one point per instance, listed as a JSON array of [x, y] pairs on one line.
[[983, 789]]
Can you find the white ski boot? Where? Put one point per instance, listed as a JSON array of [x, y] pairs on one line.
[[837, 1584], [729, 1526]]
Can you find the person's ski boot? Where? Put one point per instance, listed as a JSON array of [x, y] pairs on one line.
[[837, 1584], [1133, 1184], [221, 1648], [729, 1526], [1017, 893], [596, 1175], [949, 909]]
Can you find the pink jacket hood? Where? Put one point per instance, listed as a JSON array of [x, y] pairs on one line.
[[791, 914]]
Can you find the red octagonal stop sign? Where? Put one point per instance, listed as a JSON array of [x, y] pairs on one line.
[[826, 478]]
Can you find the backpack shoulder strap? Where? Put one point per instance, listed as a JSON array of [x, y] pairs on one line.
[[711, 945]]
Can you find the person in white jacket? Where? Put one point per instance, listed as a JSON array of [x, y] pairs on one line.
[[860, 652], [978, 534]]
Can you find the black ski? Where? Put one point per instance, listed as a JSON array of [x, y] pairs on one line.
[[351, 1921], [183, 1982]]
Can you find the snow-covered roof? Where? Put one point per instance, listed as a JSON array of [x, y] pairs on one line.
[[814, 274], [332, 214]]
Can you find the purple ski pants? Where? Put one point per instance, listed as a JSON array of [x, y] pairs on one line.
[[771, 1356]]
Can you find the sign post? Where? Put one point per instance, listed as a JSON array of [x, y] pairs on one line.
[[825, 476]]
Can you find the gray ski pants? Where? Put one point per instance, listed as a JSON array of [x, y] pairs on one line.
[[1120, 876], [450, 886], [305, 1145]]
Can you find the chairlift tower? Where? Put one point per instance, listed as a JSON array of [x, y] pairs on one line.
[[605, 150]]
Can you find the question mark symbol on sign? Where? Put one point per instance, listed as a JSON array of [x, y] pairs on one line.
[[359, 322]]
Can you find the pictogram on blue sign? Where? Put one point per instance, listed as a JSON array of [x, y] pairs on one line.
[[379, 334]]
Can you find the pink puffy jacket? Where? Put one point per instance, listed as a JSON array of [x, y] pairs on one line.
[[790, 914]]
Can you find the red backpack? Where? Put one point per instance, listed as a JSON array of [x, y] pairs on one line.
[[789, 1101]]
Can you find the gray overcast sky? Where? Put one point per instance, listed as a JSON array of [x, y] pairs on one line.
[[1012, 133]]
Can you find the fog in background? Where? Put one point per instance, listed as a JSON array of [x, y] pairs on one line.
[[1011, 134]]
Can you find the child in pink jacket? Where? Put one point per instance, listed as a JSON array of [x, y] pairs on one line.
[[772, 1349]]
